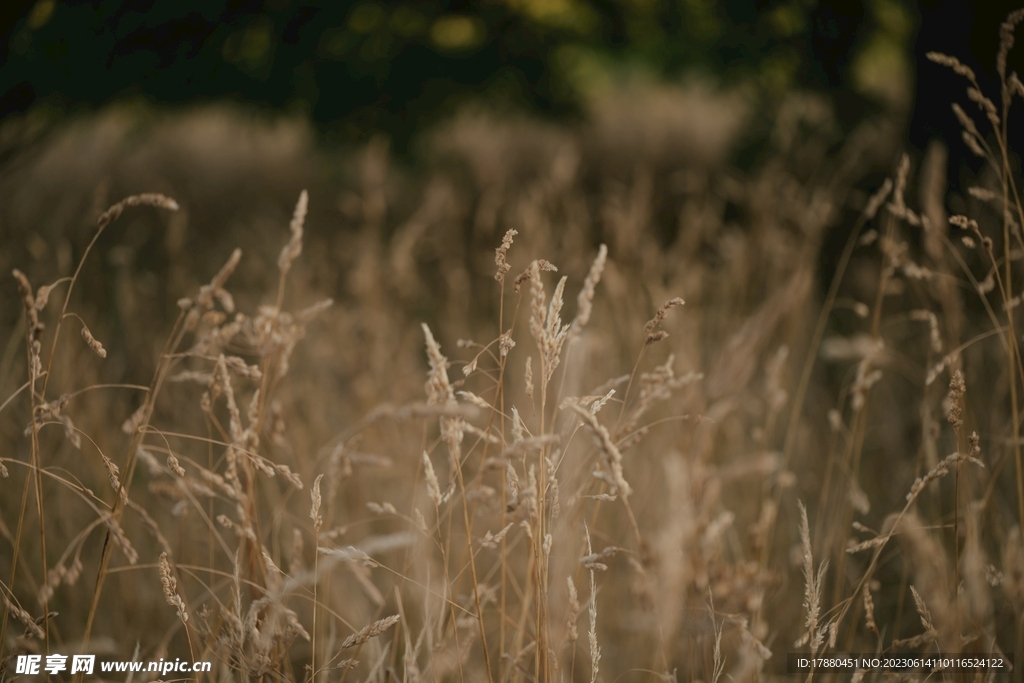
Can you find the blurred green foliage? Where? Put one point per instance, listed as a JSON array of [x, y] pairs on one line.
[[357, 67]]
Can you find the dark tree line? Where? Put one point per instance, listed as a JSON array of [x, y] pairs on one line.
[[357, 67]]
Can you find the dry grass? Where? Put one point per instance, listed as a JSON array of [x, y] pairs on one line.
[[229, 466]]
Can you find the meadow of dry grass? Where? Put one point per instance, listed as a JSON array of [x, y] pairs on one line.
[[458, 423]]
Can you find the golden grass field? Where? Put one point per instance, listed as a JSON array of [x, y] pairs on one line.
[[320, 416]]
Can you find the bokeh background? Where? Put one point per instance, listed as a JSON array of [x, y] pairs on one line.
[[360, 69]]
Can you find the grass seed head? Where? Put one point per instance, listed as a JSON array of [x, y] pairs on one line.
[[293, 249], [585, 300], [371, 631], [170, 586], [316, 502], [501, 253], [433, 485], [574, 609], [93, 343], [661, 313]]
